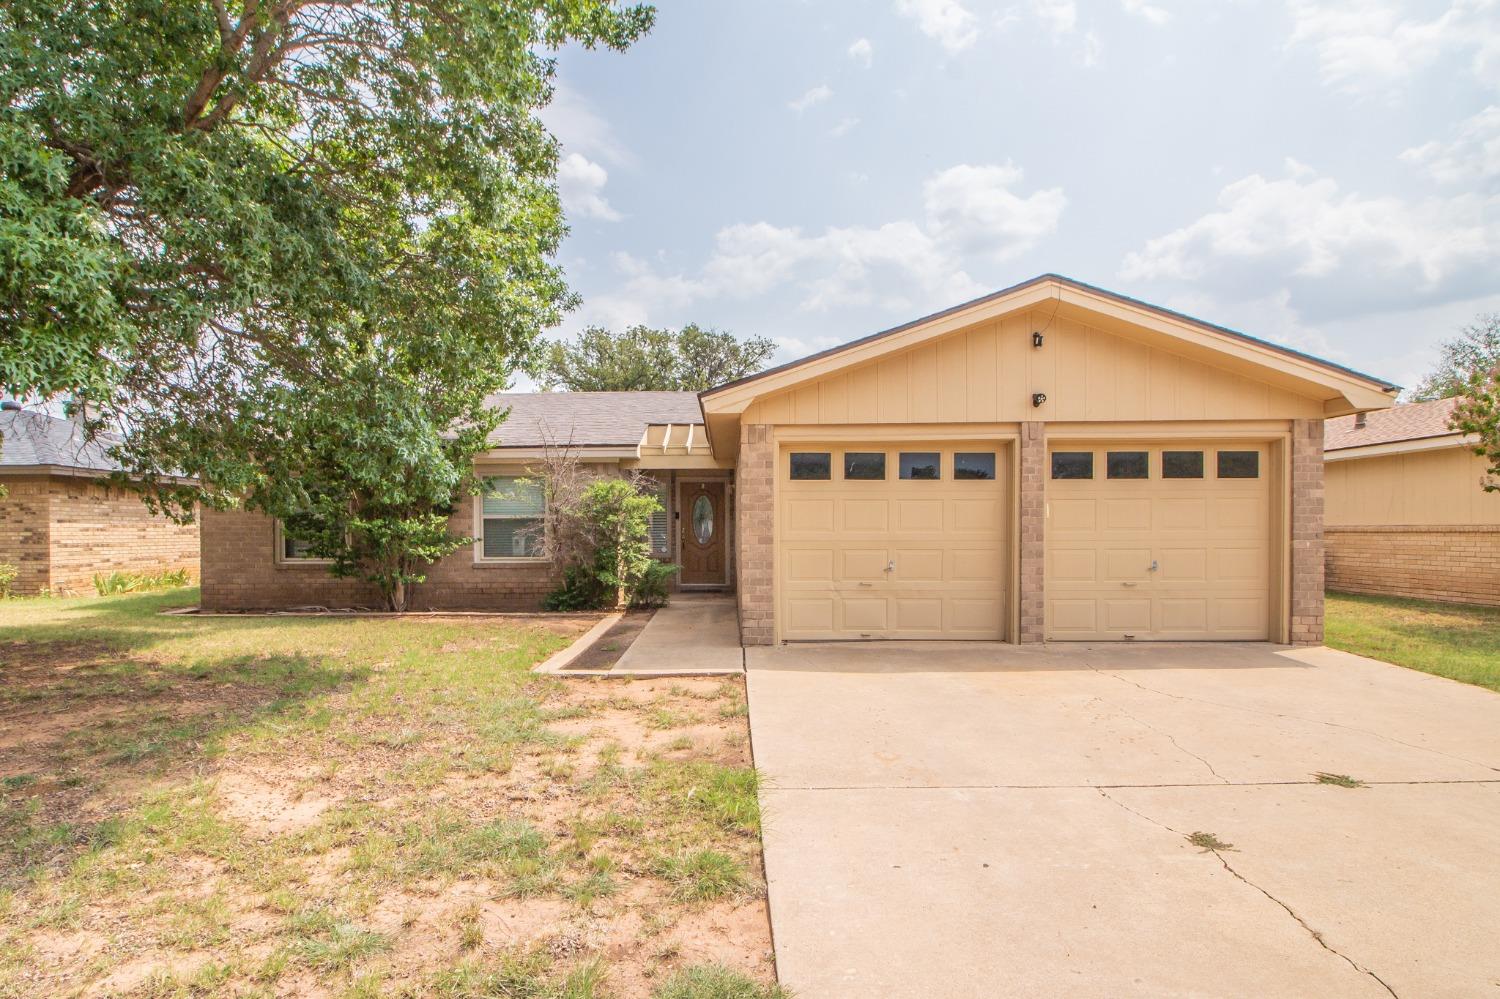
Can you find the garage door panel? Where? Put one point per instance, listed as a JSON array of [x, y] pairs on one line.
[[866, 515], [807, 516], [1210, 541], [893, 558]]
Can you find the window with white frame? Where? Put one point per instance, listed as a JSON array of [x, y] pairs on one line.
[[513, 518], [661, 535]]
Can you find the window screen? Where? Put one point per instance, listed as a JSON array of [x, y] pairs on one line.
[[1239, 464], [974, 465], [810, 465], [1072, 464], [921, 465], [513, 512], [864, 465], [1182, 464], [1128, 464]]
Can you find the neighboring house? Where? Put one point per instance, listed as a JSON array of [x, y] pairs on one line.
[[61, 522], [1406, 512], [1052, 461]]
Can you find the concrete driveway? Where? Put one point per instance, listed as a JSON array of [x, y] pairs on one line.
[[983, 820]]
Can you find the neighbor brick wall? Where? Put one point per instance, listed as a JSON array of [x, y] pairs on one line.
[[1033, 541], [62, 530], [25, 532], [240, 572], [1457, 564], [755, 517], [1307, 533], [99, 529]]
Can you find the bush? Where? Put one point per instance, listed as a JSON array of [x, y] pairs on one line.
[[651, 589], [580, 590], [8, 574], [134, 582], [599, 529]]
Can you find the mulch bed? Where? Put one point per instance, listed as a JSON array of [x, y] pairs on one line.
[[607, 651]]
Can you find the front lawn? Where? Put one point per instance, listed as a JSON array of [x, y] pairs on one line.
[[1462, 643], [363, 806]]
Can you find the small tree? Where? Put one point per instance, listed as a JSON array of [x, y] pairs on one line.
[[691, 359], [1473, 353], [1478, 413]]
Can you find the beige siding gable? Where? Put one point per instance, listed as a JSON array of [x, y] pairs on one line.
[[986, 373]]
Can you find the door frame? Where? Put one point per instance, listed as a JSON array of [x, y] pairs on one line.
[[680, 524]]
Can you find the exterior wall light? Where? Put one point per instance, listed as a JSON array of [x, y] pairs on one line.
[[1037, 398], [1037, 338]]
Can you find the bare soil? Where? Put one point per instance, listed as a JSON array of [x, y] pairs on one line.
[[607, 651]]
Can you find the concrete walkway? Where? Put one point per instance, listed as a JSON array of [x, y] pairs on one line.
[[695, 634], [983, 820]]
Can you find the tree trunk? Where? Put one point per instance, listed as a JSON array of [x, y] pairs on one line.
[[397, 597]]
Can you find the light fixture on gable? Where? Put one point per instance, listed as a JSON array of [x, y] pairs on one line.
[[1037, 338], [1037, 398]]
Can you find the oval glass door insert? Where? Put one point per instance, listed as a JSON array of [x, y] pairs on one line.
[[703, 519]]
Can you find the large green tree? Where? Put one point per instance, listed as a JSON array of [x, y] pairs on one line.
[[242, 227], [1475, 351], [643, 359]]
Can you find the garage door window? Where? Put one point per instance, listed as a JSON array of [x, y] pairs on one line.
[[1182, 464], [1072, 464], [974, 465], [920, 465], [1239, 464], [1128, 465], [810, 465], [865, 466]]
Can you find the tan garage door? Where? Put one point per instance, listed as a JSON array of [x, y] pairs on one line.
[[877, 541], [1155, 542]]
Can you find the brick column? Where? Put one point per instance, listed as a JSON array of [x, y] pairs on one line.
[[1307, 532], [1033, 500], [754, 516]]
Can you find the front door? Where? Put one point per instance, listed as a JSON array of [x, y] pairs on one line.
[[702, 521]]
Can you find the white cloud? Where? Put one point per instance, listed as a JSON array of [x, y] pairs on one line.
[[948, 21], [1473, 155], [1093, 48], [580, 129], [1303, 228], [971, 215], [580, 182], [862, 52], [1148, 11], [844, 127], [817, 95], [1372, 45], [975, 210], [1058, 16]]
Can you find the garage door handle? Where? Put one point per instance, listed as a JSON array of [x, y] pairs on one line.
[[890, 566], [1153, 565]]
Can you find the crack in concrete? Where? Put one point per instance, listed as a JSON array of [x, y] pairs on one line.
[[1163, 733], [1290, 717], [1219, 856], [1314, 782]]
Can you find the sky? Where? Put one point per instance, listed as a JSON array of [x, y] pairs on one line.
[[1323, 175]]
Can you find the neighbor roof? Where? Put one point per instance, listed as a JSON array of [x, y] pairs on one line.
[[588, 419], [1415, 421], [34, 439]]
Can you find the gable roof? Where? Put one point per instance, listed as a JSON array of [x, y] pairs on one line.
[[32, 439], [588, 419], [1414, 421], [1075, 295]]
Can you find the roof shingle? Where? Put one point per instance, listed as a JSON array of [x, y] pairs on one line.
[[588, 419], [31, 438], [1411, 422]]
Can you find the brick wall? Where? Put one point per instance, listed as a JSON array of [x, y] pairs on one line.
[[240, 572], [1033, 507], [755, 517], [1452, 563], [1307, 533], [63, 530], [25, 532]]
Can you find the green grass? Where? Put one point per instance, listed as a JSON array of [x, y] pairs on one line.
[[426, 745], [713, 982], [1451, 640]]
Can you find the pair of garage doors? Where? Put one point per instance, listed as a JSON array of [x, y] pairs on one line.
[[1145, 542]]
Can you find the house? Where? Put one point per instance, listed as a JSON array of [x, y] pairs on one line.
[[62, 521], [1052, 461], [1406, 513]]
